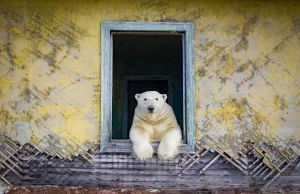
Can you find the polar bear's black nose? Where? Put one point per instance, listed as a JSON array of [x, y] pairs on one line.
[[151, 108]]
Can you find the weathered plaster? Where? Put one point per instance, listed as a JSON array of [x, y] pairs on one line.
[[246, 63]]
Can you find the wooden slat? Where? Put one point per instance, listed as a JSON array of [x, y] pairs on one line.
[[123, 171]]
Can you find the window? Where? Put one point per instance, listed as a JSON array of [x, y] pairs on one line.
[[144, 62], [138, 57]]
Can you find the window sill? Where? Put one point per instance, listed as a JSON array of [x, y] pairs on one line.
[[125, 146]]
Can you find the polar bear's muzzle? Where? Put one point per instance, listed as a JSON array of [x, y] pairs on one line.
[[151, 109]]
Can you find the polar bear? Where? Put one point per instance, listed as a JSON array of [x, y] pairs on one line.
[[154, 119]]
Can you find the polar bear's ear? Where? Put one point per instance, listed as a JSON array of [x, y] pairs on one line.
[[165, 96], [137, 96]]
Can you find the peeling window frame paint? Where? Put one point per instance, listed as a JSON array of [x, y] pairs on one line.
[[124, 146]]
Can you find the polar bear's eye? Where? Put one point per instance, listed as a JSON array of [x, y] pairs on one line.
[[145, 99], [156, 98]]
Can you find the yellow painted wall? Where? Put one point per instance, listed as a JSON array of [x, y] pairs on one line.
[[247, 64]]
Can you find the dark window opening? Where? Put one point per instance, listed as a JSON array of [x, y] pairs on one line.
[[144, 62]]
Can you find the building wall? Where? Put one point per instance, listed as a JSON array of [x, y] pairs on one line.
[[246, 63]]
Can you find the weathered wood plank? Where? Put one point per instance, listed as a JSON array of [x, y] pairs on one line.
[[132, 166], [154, 184], [138, 166], [145, 178], [119, 171], [122, 171]]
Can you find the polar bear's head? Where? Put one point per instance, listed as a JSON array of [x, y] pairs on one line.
[[151, 101]]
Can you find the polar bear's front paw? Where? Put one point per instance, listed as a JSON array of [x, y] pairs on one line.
[[166, 152], [143, 152]]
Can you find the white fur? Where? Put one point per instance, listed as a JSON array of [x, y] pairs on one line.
[[161, 125]]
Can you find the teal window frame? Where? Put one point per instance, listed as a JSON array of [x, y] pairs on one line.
[[107, 144]]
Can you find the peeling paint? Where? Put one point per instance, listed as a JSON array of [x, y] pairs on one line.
[[246, 63], [40, 56]]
